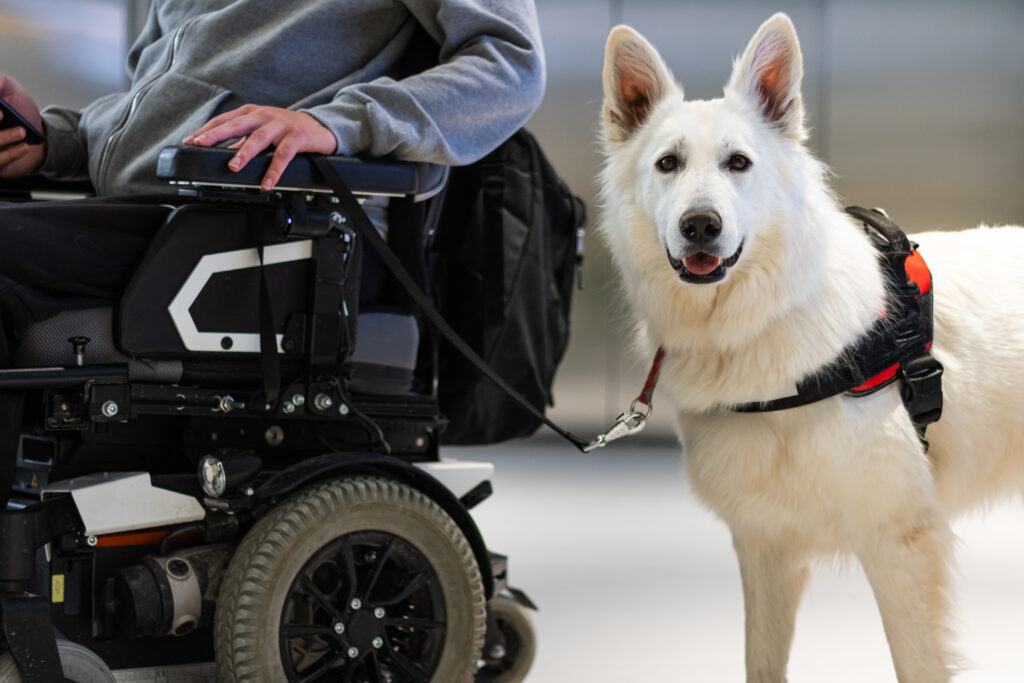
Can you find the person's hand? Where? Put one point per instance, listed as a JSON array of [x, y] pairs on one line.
[[18, 158], [259, 127]]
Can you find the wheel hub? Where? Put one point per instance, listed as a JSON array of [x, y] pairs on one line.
[[362, 628], [367, 600]]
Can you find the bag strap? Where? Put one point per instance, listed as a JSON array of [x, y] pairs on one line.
[[362, 224]]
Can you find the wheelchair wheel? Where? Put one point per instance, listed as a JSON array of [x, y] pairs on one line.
[[352, 579], [80, 664], [511, 650]]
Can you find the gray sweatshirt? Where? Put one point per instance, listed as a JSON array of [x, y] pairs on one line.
[[338, 60]]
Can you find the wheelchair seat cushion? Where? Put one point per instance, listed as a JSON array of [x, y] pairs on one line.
[[45, 344]]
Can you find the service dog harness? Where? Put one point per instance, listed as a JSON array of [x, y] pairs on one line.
[[896, 348]]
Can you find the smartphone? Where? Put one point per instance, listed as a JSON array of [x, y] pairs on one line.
[[12, 119]]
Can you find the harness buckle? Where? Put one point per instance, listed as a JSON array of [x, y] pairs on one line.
[[922, 390]]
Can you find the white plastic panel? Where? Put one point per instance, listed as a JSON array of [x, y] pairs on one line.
[[459, 476], [111, 503]]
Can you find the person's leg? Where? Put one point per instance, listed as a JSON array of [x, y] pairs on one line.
[[58, 256]]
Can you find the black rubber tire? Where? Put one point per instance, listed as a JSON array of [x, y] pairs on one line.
[[262, 570], [521, 643], [80, 664]]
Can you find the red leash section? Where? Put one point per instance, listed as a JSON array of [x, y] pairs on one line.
[[633, 420]]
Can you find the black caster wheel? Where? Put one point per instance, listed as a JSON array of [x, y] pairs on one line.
[[509, 651]]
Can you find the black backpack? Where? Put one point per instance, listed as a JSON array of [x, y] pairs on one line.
[[506, 252]]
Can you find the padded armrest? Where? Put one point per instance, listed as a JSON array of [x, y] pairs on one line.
[[191, 165]]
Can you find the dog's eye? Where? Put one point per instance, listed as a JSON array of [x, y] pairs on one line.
[[738, 162], [668, 163]]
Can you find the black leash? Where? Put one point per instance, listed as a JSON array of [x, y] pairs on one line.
[[350, 205]]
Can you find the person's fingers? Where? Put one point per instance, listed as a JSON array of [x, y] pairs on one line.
[[257, 141], [9, 155], [213, 131], [236, 128], [289, 146], [9, 136]]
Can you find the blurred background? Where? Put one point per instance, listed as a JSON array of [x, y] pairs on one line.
[[917, 107]]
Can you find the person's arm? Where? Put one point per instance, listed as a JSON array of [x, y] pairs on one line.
[[67, 155], [18, 158], [490, 78]]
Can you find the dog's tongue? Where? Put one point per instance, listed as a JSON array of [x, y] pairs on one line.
[[701, 264]]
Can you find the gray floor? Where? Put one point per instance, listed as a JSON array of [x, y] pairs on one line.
[[637, 582]]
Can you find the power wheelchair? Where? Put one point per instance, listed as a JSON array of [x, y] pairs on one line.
[[184, 496]]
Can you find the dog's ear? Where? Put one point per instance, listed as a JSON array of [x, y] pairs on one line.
[[769, 74], [635, 79]]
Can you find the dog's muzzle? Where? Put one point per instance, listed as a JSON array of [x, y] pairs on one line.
[[706, 267]]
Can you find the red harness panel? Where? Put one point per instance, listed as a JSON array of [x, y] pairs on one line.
[[920, 275]]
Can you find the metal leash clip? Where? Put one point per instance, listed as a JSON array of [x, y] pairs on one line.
[[626, 424]]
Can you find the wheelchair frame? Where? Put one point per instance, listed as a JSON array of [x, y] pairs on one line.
[[59, 556]]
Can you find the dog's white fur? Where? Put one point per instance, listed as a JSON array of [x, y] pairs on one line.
[[845, 474]]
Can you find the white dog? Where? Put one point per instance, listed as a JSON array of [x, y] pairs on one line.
[[739, 263]]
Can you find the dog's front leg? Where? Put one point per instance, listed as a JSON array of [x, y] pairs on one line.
[[907, 566], [774, 574]]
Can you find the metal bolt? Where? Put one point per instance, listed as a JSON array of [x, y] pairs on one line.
[[377, 642], [227, 404], [498, 651], [78, 344], [299, 399], [92, 540], [323, 402], [353, 652], [343, 409], [288, 407], [109, 408], [336, 217], [274, 435], [379, 612], [177, 568], [339, 627], [420, 442], [249, 491], [356, 603]]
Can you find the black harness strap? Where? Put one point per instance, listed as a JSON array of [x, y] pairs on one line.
[[350, 205], [896, 348]]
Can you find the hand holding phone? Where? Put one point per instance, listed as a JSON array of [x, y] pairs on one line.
[[22, 147], [11, 118]]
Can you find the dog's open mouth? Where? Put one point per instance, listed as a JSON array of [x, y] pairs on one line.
[[702, 268]]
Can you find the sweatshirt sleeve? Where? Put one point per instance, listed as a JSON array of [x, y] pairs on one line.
[[67, 154], [489, 79]]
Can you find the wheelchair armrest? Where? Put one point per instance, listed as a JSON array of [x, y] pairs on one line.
[[191, 165]]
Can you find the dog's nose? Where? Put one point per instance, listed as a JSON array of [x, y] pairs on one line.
[[700, 227]]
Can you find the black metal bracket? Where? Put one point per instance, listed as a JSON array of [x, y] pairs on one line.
[[23, 531], [25, 618]]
